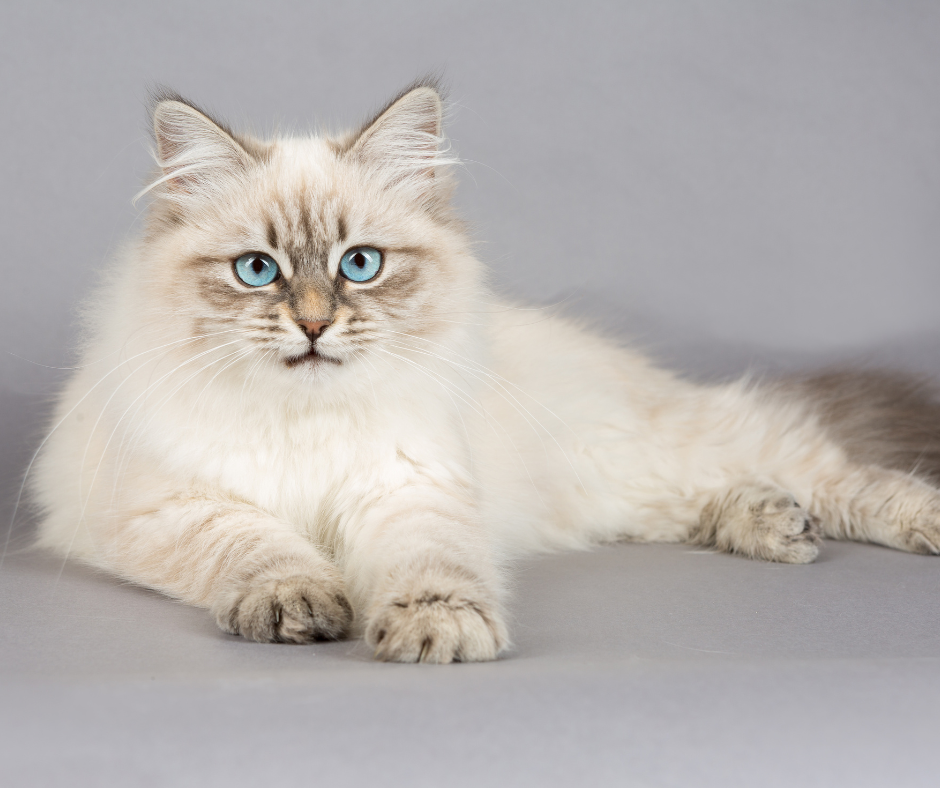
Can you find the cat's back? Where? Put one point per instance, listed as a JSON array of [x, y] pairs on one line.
[[571, 362]]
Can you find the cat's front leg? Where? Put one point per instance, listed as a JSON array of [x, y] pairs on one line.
[[257, 575], [422, 569]]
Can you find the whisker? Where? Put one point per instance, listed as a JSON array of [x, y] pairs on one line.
[[375, 396], [240, 354], [140, 429], [81, 516], [489, 372], [515, 403], [262, 356], [481, 412], [118, 387], [45, 440]]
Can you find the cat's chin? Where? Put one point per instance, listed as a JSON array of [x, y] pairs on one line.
[[311, 360]]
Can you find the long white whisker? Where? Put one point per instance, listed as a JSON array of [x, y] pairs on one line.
[[249, 376], [478, 409], [375, 397], [515, 403], [269, 356], [142, 428], [32, 461], [81, 516], [239, 355], [450, 396], [118, 388], [437, 377], [458, 366], [456, 409], [486, 370]]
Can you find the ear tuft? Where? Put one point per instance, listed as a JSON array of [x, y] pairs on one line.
[[197, 154], [404, 144]]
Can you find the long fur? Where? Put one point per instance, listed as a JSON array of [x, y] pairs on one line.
[[878, 417], [377, 478]]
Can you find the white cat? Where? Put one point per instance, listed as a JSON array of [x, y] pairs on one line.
[[300, 407]]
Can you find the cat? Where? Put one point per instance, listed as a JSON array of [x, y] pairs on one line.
[[301, 407]]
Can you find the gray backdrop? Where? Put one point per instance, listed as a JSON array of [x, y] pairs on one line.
[[732, 183]]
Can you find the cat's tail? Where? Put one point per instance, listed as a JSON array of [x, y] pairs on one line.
[[880, 418]]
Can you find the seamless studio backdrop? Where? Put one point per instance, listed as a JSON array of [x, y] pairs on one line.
[[733, 185], [729, 183]]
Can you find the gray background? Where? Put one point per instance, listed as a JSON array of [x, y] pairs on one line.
[[734, 184]]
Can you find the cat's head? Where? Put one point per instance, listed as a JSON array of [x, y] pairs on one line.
[[311, 251]]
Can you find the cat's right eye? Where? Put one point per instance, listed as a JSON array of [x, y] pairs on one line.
[[256, 269]]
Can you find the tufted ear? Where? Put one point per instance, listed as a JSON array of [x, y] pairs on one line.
[[195, 153], [403, 144]]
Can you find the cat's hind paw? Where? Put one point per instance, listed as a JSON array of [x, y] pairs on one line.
[[920, 534], [440, 626], [293, 609]]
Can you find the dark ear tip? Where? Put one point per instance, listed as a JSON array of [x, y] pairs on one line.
[[164, 100], [431, 87], [433, 80], [160, 95], [168, 106], [429, 97], [426, 90]]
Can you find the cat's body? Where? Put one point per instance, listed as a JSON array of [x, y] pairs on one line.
[[205, 450]]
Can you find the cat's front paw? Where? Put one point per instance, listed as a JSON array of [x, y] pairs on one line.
[[436, 622], [763, 522], [785, 532], [292, 609]]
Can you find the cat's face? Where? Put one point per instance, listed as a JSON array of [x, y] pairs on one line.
[[312, 253]]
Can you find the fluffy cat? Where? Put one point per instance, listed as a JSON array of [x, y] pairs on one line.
[[301, 408]]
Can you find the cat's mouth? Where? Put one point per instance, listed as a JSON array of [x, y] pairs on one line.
[[312, 358]]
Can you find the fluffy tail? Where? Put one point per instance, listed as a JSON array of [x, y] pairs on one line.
[[879, 418]]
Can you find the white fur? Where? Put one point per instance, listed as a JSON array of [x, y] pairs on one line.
[[471, 433]]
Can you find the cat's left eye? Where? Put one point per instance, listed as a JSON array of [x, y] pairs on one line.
[[256, 269], [361, 263]]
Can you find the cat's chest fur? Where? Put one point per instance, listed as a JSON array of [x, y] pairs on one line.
[[316, 464]]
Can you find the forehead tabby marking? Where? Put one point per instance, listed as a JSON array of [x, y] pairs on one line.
[[306, 227]]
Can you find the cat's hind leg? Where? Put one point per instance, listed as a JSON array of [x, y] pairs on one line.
[[760, 521], [872, 504]]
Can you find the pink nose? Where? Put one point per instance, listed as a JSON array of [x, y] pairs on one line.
[[313, 327]]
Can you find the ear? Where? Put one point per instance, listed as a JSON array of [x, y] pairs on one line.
[[195, 153], [402, 145]]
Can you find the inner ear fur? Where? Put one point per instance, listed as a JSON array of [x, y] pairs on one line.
[[193, 150], [402, 143]]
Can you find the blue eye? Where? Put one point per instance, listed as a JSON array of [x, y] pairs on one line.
[[256, 269], [361, 263]]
